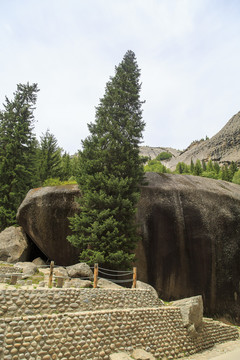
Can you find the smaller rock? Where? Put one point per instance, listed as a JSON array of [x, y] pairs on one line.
[[14, 245], [144, 286], [38, 261], [191, 311], [140, 354], [79, 270], [120, 356], [80, 283], [60, 271], [28, 268], [107, 284]]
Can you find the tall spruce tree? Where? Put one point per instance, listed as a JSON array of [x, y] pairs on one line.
[[50, 157], [17, 151], [110, 172]]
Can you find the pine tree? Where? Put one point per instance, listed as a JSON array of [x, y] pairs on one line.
[[198, 168], [110, 173], [192, 167], [17, 151], [66, 165], [50, 157]]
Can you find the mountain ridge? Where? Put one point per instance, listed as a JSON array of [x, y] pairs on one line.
[[223, 147]]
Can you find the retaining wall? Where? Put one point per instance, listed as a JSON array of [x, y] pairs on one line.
[[95, 335], [18, 302]]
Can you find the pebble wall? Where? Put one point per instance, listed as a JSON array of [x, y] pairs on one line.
[[9, 270], [95, 335], [18, 302]]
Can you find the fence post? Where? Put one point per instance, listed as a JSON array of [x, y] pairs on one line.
[[95, 275], [134, 277], [13, 280], [60, 282], [51, 274]]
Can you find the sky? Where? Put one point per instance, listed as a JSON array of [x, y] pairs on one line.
[[188, 52]]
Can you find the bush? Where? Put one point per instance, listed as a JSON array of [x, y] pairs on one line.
[[57, 182], [155, 166], [163, 156], [236, 178]]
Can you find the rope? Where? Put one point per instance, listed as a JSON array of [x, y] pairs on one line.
[[118, 281], [119, 271], [126, 274]]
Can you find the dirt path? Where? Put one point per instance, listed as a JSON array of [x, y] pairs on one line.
[[217, 350]]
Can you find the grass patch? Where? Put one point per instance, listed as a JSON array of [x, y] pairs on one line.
[[36, 278]]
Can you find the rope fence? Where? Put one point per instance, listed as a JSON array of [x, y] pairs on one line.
[[115, 276]]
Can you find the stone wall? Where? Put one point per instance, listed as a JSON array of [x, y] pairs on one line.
[[9, 270], [95, 335], [19, 302]]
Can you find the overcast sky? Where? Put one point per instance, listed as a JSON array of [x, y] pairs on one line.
[[188, 52]]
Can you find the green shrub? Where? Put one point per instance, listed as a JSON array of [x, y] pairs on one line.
[[163, 156], [57, 181], [236, 178]]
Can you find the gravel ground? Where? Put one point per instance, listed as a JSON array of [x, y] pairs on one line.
[[215, 351]]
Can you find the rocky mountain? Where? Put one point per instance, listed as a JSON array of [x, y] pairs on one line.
[[190, 228], [224, 147], [152, 152]]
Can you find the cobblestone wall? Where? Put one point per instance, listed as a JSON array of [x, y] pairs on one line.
[[9, 270], [48, 301], [95, 335]]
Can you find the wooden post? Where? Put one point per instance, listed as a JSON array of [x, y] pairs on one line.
[[13, 280], [51, 274], [134, 277], [95, 276], [60, 281]]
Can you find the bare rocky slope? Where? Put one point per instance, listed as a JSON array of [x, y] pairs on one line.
[[224, 147]]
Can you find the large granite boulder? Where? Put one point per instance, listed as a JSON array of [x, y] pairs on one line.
[[14, 245], [190, 228], [44, 216]]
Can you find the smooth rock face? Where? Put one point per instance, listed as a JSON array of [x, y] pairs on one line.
[[191, 311], [44, 216], [14, 245], [190, 227]]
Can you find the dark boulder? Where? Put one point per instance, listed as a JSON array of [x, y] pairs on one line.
[[44, 214], [191, 239]]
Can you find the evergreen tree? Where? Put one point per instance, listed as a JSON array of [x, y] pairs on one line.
[[225, 173], [17, 151], [192, 167], [50, 157], [198, 168], [232, 169], [66, 171], [110, 173], [204, 166], [216, 167], [210, 166]]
